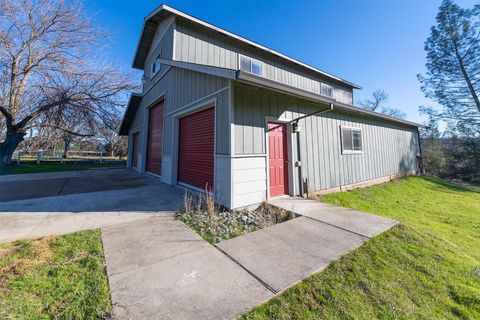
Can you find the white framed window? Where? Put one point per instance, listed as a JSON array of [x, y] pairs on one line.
[[250, 65], [351, 140], [156, 65], [327, 90]]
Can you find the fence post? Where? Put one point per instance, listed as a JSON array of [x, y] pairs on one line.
[[18, 158], [39, 156], [101, 155]]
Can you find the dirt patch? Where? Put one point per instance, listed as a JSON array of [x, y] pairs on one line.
[[18, 257]]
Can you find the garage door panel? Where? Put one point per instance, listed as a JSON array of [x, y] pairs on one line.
[[155, 139], [196, 149]]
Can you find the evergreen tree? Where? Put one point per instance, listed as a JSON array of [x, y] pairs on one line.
[[453, 67]]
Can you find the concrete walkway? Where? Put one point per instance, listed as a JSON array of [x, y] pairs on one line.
[[158, 268], [362, 223], [288, 252]]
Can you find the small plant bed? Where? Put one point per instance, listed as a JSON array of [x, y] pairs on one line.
[[54, 278], [216, 224]]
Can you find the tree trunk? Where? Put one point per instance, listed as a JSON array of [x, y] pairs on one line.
[[8, 146], [66, 147]]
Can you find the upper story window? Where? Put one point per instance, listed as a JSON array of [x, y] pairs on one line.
[[326, 90], [156, 65], [351, 140], [251, 65]]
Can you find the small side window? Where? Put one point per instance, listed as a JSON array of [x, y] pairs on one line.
[[351, 140], [156, 65], [245, 64], [251, 65], [327, 90]]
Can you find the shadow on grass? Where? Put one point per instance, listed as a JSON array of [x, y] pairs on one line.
[[448, 185]]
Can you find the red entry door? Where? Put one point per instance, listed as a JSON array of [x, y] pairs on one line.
[[155, 139], [278, 160], [135, 150]]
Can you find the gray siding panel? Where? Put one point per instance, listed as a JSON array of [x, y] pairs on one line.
[[388, 148], [198, 45], [181, 88]]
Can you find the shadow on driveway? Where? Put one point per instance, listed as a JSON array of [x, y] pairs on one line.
[[87, 191]]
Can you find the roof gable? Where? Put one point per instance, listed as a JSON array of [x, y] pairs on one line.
[[163, 11]]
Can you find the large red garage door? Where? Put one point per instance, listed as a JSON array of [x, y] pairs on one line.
[[155, 139], [196, 148]]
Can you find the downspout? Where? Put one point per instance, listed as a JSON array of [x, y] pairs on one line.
[[296, 128]]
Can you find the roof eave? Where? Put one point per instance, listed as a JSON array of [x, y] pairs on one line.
[[140, 64], [133, 103], [280, 87]]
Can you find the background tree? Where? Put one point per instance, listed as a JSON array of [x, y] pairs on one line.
[[377, 103], [453, 80], [108, 136], [49, 70], [453, 68]]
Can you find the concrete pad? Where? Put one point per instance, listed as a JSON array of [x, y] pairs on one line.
[[14, 190], [158, 268], [15, 226], [355, 221], [126, 192], [125, 196], [64, 174], [288, 252], [42, 185]]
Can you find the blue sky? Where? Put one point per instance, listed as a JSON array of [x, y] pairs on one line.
[[377, 44]]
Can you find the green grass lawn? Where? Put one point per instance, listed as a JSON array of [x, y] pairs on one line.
[[428, 267], [54, 278], [47, 166]]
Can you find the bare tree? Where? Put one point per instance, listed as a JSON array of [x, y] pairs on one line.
[[377, 103], [379, 97], [108, 136], [48, 70]]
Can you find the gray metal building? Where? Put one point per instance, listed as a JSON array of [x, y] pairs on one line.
[[221, 112]]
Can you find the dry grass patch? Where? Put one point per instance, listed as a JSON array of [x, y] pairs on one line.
[[54, 277]]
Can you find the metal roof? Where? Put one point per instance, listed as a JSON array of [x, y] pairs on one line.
[[151, 21], [132, 106]]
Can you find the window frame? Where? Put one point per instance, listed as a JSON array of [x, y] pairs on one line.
[[153, 69], [322, 85], [358, 129], [262, 65]]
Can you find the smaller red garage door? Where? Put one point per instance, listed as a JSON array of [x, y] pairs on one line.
[[135, 150], [196, 148], [155, 139]]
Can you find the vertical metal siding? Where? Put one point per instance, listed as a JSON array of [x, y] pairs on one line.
[[182, 87], [388, 148], [197, 45]]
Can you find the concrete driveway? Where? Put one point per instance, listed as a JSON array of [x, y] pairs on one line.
[[34, 205]]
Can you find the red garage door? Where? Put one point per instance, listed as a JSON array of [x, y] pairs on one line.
[[196, 148], [135, 150], [155, 139]]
